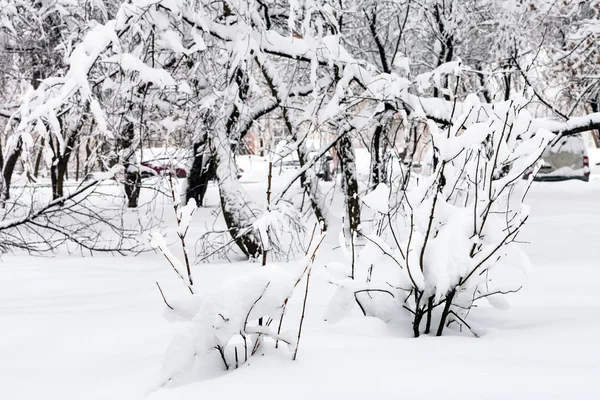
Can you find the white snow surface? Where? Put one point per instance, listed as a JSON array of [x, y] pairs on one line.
[[378, 199], [93, 327]]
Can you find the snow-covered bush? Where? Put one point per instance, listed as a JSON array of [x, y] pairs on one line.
[[446, 235], [233, 319], [225, 319], [281, 230]]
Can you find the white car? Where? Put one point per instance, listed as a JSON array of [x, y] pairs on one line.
[[564, 159]]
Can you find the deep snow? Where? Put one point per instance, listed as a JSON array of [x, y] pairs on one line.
[[93, 328]]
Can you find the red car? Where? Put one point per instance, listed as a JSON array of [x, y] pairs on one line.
[[163, 169]]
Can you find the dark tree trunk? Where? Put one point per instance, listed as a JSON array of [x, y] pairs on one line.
[[57, 176], [201, 173], [445, 313], [38, 158], [375, 157], [56, 191], [507, 83], [377, 168], [1, 153], [60, 162], [261, 144], [347, 160], [88, 156], [9, 167], [417, 318], [430, 302], [133, 178], [133, 182], [77, 162], [447, 48], [595, 105], [485, 92]]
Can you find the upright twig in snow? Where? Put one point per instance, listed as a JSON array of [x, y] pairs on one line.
[[309, 270], [163, 296], [182, 228], [161, 245], [312, 237], [181, 234], [265, 240], [269, 178], [260, 320]]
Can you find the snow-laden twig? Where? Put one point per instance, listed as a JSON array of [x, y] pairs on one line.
[[308, 270], [183, 216]]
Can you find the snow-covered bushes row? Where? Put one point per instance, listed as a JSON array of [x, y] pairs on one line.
[[444, 238]]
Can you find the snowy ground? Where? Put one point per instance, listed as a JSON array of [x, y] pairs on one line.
[[92, 328]]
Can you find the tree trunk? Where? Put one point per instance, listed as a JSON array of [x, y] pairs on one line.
[[310, 185], [447, 48], [202, 171], [38, 158], [507, 83], [1, 152], [60, 162], [309, 182], [347, 160], [57, 177], [376, 167], [58, 173], [382, 135], [56, 190], [88, 156], [133, 178], [239, 211], [445, 313], [133, 181], [485, 91], [9, 167], [77, 163], [595, 105]]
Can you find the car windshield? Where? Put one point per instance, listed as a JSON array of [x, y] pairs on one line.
[[569, 144]]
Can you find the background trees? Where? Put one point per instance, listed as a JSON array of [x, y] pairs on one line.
[[114, 80]]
